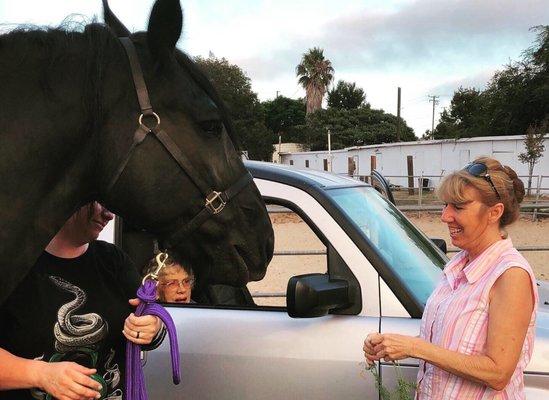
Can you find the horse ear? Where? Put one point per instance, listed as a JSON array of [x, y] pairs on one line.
[[164, 28], [113, 22]]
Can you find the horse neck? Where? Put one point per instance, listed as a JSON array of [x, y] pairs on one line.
[[47, 151]]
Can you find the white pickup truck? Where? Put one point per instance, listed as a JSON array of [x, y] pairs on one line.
[[380, 270]]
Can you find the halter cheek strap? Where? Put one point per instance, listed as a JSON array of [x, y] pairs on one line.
[[214, 201]]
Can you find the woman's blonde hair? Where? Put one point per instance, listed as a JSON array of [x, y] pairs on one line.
[[508, 185]]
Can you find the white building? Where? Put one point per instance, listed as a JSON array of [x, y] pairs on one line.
[[431, 159]]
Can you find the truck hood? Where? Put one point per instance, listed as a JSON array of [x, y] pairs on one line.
[[540, 358]]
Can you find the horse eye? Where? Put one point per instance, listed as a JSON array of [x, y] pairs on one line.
[[213, 127]]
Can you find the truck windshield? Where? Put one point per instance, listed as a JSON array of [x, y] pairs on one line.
[[404, 248]]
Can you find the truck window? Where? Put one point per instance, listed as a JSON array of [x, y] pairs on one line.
[[404, 248], [297, 251]]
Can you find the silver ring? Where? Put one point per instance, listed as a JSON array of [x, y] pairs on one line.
[[137, 336]]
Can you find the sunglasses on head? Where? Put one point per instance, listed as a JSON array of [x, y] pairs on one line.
[[480, 170]]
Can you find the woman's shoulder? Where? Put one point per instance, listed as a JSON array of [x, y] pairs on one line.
[[106, 249], [110, 255], [511, 257]]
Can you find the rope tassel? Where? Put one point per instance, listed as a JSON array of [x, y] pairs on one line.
[[135, 380]]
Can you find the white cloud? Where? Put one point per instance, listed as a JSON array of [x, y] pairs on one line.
[[424, 46]]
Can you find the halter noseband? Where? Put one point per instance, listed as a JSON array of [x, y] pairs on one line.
[[215, 201]]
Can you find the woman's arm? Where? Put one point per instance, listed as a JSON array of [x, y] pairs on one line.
[[17, 372], [63, 380], [510, 310]]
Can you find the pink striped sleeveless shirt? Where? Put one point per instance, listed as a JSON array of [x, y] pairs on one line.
[[456, 318]]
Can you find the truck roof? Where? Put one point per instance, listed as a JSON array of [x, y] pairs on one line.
[[300, 177]]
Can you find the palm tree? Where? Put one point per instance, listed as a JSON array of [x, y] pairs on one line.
[[315, 74]]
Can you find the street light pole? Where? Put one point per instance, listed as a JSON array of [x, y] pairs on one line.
[[329, 151]]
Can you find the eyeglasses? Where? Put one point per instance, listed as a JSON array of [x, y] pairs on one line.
[[176, 283], [480, 170]]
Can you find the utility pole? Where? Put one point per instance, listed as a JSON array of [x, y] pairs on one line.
[[434, 99], [279, 147], [329, 151], [398, 115], [277, 94]]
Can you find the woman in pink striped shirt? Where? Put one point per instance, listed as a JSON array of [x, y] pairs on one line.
[[477, 330]]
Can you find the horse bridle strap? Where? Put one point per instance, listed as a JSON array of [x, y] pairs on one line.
[[215, 201], [214, 204]]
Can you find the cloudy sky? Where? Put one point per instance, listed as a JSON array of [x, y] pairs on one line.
[[427, 47]]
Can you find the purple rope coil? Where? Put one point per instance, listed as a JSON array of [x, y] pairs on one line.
[[135, 380]]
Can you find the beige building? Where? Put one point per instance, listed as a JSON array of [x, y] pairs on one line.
[[281, 148]]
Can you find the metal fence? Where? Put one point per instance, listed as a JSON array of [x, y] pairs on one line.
[[424, 185], [533, 206]]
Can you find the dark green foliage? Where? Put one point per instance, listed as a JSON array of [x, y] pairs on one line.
[[244, 108], [346, 96], [465, 117], [356, 127], [283, 116], [515, 98]]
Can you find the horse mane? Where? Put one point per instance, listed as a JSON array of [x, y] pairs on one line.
[[53, 44], [56, 42]]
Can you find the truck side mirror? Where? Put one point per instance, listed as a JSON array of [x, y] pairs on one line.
[[315, 295], [441, 244]]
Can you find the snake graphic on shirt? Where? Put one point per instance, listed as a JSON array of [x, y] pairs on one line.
[[80, 335]]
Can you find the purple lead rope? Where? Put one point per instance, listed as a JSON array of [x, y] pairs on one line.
[[135, 380]]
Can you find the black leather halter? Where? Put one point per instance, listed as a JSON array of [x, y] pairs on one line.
[[215, 201]]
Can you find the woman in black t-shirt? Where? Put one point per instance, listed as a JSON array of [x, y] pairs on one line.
[[60, 329]]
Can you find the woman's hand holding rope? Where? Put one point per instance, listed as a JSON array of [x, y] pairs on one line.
[[141, 330]]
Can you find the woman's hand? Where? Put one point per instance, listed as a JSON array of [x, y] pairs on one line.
[[141, 330], [392, 346], [67, 380], [369, 352]]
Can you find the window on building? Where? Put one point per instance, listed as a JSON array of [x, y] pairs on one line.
[[325, 164], [291, 162], [306, 163]]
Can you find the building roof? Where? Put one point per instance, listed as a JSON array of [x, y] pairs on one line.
[[420, 142]]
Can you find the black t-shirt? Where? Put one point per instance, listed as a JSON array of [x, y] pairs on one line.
[[73, 310]]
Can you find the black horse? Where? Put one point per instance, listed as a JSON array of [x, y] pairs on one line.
[[68, 114]]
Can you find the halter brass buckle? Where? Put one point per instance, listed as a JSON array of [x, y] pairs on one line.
[[211, 206], [160, 262]]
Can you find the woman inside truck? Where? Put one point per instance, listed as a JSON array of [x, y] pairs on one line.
[[175, 280]]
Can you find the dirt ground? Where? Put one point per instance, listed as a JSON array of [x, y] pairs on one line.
[[291, 233], [524, 232]]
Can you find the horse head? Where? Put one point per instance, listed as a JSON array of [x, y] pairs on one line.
[[168, 165]]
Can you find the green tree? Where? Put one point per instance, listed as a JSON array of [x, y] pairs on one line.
[[315, 73], [285, 116], [515, 98], [244, 108], [355, 127], [464, 118], [346, 96], [533, 143]]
